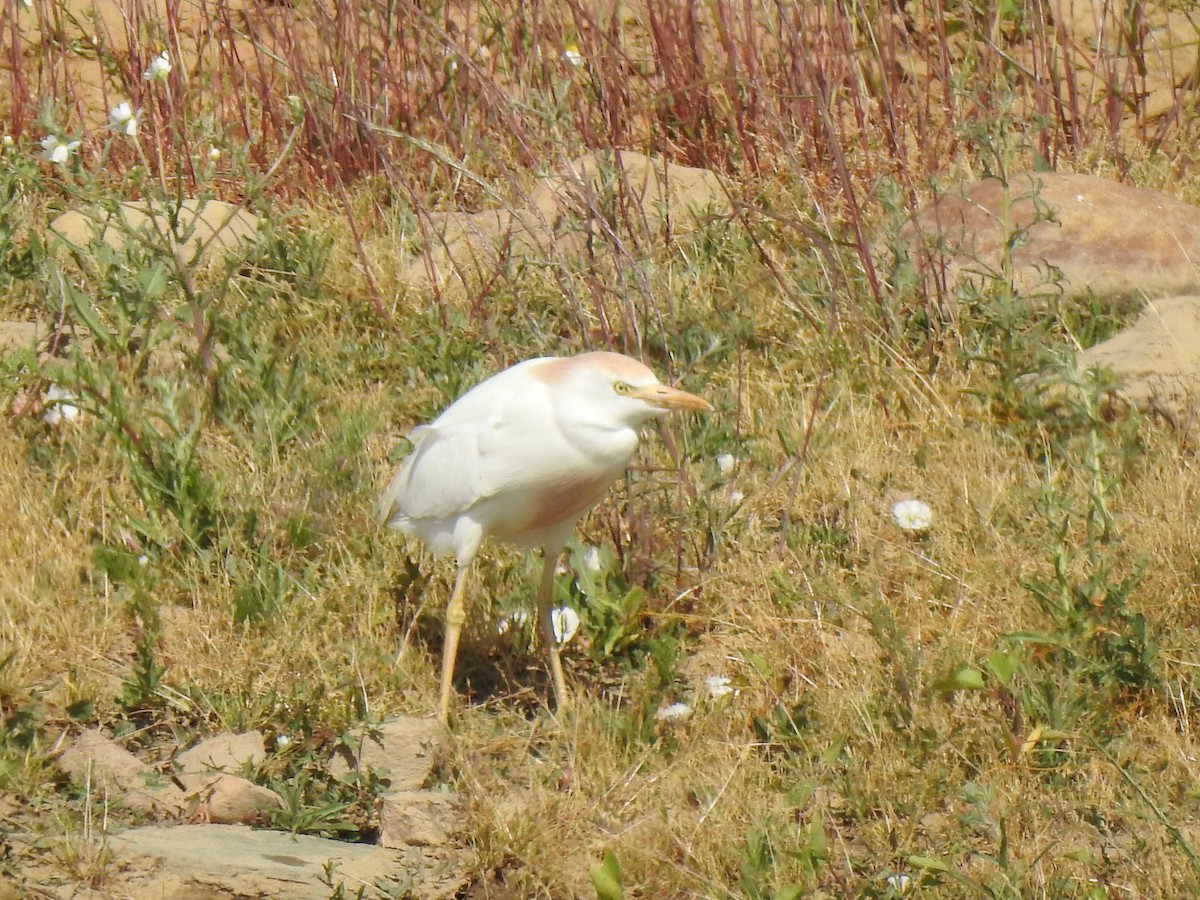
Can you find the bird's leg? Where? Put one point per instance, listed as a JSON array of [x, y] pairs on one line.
[[545, 602], [456, 615]]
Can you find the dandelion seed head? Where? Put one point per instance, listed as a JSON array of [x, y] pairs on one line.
[[674, 712], [913, 515], [719, 686]]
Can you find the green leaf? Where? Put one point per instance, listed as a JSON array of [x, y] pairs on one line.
[[929, 863], [1003, 665], [606, 878], [965, 678], [761, 666], [818, 842]]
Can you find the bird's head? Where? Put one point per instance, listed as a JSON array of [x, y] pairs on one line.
[[612, 389]]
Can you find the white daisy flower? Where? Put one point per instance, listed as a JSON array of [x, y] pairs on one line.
[[159, 68], [913, 515], [899, 882], [56, 150], [123, 120], [565, 622], [59, 406], [513, 620], [674, 712], [591, 559]]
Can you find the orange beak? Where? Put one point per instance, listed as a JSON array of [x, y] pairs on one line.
[[671, 398]]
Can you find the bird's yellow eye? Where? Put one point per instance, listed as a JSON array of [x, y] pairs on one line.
[[622, 388]]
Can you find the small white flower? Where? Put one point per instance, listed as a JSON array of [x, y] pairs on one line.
[[59, 407], [725, 463], [591, 559], [572, 57], [57, 150], [281, 741], [123, 120], [512, 620], [899, 882], [214, 153], [719, 686], [7, 141], [565, 622], [674, 712], [159, 68], [735, 498], [28, 4], [143, 560], [912, 515]]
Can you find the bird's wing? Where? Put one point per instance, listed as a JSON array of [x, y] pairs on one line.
[[480, 446]]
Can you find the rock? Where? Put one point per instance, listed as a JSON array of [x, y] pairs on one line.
[[226, 752], [1156, 361], [561, 217], [406, 747], [204, 229], [416, 818], [227, 799], [245, 862], [105, 767], [1075, 233], [20, 336]]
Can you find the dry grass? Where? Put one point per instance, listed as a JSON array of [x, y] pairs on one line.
[[271, 601]]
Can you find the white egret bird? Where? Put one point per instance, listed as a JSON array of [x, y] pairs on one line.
[[521, 457]]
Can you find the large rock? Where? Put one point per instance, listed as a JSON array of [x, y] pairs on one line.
[[1072, 233], [227, 799], [567, 216], [199, 231], [105, 767], [1156, 361]]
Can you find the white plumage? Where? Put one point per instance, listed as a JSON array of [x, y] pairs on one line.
[[521, 457]]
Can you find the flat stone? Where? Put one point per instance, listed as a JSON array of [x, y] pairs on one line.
[[1071, 234], [225, 752], [406, 747], [416, 818], [251, 863], [203, 229]]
